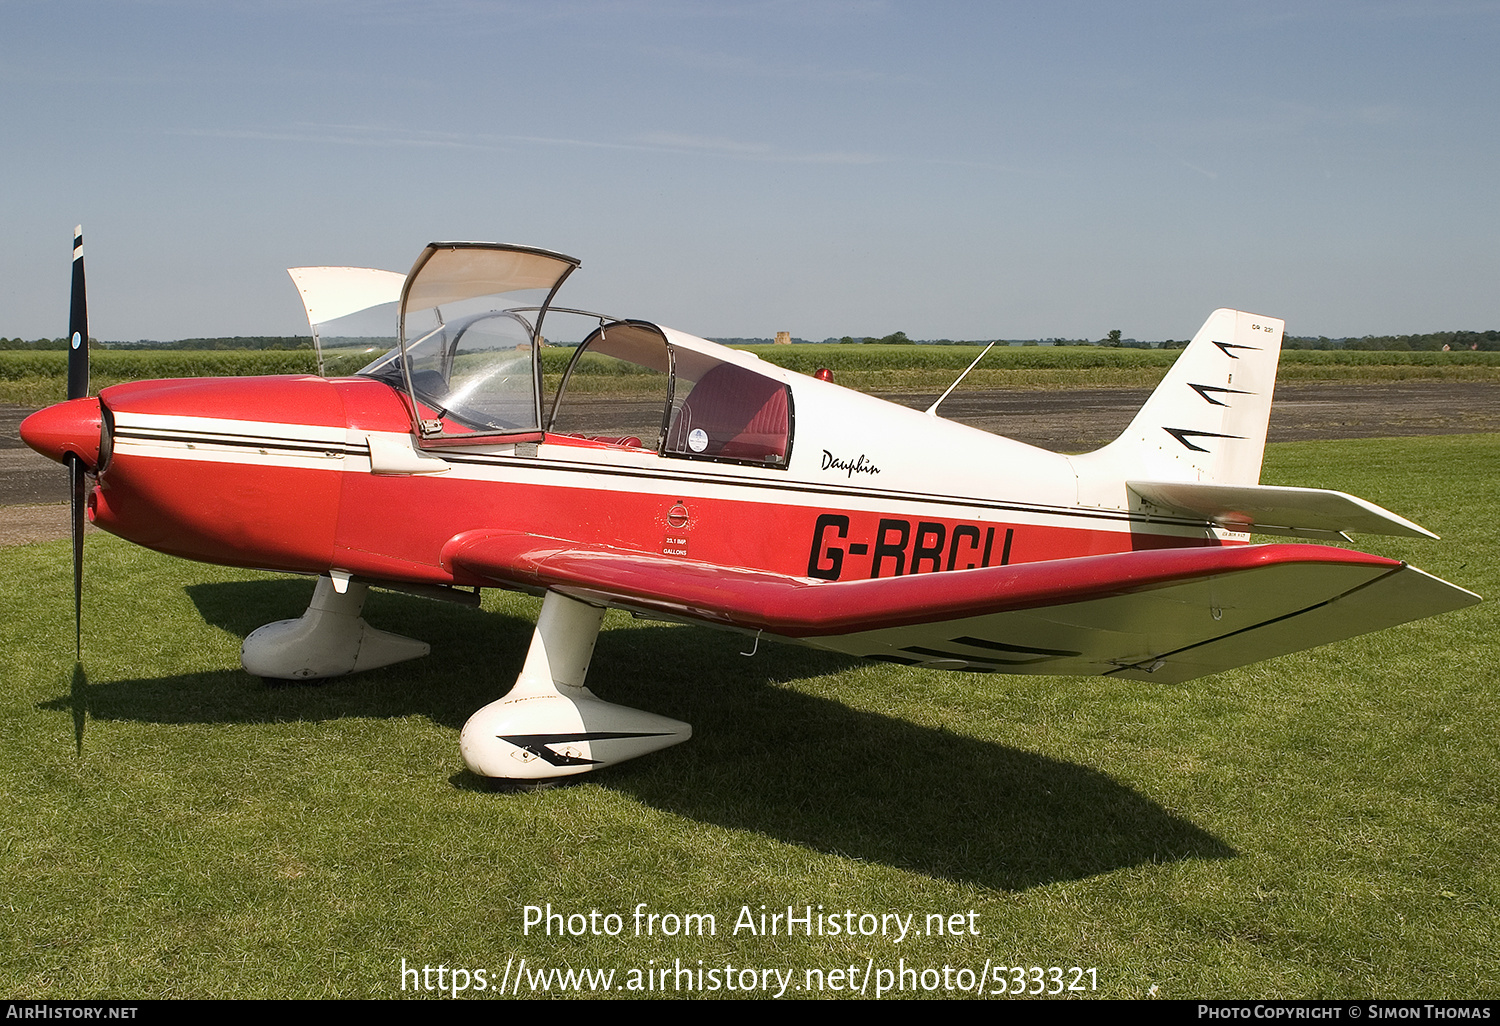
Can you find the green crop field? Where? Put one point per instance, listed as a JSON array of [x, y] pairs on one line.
[[1318, 825], [39, 378]]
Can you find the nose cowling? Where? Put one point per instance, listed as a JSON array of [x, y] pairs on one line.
[[70, 428]]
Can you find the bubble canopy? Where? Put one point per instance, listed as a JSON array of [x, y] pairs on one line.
[[469, 360], [451, 272], [466, 354]]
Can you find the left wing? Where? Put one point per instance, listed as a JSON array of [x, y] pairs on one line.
[[1167, 615]]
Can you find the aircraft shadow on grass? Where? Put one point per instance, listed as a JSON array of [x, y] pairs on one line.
[[765, 758]]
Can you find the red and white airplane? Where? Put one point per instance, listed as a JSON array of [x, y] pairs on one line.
[[722, 491]]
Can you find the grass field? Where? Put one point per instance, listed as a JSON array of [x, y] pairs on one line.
[[1319, 825], [38, 378]]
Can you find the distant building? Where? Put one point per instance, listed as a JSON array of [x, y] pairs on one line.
[[783, 338]]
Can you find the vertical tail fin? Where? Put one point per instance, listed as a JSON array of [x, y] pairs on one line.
[[1207, 419]]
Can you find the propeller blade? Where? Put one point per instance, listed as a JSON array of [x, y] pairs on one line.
[[75, 479], [78, 387], [78, 326]]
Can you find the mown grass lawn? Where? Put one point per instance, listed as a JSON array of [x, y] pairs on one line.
[[1319, 825]]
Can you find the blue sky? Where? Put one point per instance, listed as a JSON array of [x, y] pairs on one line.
[[965, 170]]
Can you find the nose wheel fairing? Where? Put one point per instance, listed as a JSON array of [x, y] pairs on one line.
[[329, 640]]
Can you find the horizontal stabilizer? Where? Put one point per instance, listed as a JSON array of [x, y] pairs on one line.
[[1268, 509]]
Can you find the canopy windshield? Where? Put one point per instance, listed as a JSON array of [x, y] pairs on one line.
[[339, 302], [451, 272], [469, 328]]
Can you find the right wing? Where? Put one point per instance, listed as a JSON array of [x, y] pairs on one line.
[[1168, 615]]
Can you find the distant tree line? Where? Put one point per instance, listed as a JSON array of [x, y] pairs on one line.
[[756, 341], [197, 344], [1484, 341], [237, 342], [899, 338], [39, 345]]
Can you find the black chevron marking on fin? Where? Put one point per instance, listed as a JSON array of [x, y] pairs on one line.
[[1181, 435], [1227, 346], [1203, 390]]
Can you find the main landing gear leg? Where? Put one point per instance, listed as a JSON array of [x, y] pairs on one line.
[[328, 640], [550, 725]]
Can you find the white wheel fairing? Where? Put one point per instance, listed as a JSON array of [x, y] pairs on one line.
[[329, 640], [550, 725], [561, 735]]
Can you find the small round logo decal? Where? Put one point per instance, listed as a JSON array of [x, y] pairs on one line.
[[697, 439]]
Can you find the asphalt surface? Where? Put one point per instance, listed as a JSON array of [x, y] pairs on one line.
[[1065, 421], [1080, 420]]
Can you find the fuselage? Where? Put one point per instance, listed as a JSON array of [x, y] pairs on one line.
[[287, 473]]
